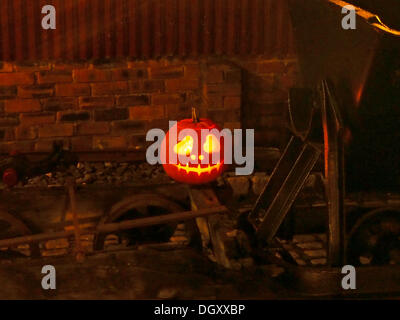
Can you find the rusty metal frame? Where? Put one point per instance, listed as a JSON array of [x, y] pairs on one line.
[[21, 228], [281, 190], [291, 172], [135, 201], [334, 172], [117, 226]]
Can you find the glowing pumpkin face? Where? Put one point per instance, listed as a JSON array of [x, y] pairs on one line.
[[193, 151]]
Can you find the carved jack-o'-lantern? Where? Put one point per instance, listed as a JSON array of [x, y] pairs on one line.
[[193, 155]]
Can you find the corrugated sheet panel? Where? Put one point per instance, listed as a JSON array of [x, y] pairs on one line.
[[93, 29]]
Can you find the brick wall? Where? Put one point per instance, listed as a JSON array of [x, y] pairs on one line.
[[111, 105], [265, 85]]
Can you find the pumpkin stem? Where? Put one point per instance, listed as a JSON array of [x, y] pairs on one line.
[[194, 115]]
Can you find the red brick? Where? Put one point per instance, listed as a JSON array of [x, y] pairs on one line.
[[8, 122], [178, 112], [96, 102], [21, 105], [46, 145], [232, 102], [109, 143], [182, 84], [36, 91], [91, 128], [221, 116], [32, 66], [178, 62], [92, 75], [215, 101], [146, 112], [192, 71], [8, 92], [10, 79], [73, 90], [223, 89], [127, 127], [25, 133], [133, 100], [7, 134], [129, 74], [135, 87], [70, 65], [232, 76], [272, 67], [6, 67], [137, 141], [214, 75], [105, 63], [55, 76], [59, 104], [167, 72], [82, 144], [56, 130], [68, 116], [109, 88], [20, 146], [136, 64], [162, 124], [153, 86], [37, 118], [168, 98], [111, 114]]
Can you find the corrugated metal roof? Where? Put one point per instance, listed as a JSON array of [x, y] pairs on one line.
[[93, 29]]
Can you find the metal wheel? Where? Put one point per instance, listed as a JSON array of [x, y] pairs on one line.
[[375, 238], [139, 206], [10, 227]]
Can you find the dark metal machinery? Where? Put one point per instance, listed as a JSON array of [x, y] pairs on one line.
[[297, 161], [348, 109]]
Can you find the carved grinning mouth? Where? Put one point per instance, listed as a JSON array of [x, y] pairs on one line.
[[199, 170]]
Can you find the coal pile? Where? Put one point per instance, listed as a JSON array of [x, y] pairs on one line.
[[134, 173], [100, 173]]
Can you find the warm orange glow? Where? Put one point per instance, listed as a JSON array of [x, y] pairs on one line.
[[184, 147], [199, 161], [358, 95], [211, 145], [199, 170]]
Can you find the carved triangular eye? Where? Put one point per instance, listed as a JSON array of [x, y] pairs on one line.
[[212, 144], [185, 146]]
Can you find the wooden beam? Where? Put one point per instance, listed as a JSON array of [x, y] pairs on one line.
[[212, 232]]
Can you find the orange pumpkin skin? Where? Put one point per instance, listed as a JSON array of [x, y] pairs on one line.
[[188, 172]]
